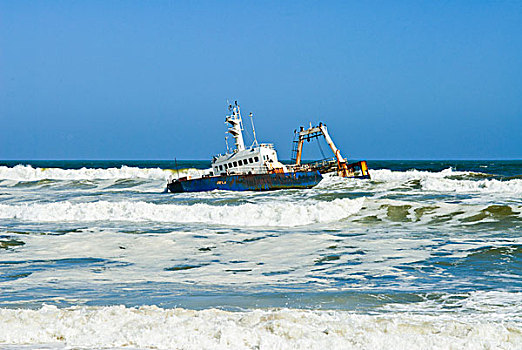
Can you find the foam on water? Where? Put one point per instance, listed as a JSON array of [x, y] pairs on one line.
[[387, 175], [513, 187], [248, 214], [28, 173], [152, 327], [444, 181], [264, 213], [496, 305]]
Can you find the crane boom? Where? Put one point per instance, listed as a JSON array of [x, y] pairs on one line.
[[343, 168]]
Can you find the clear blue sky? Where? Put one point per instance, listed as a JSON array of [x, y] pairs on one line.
[[150, 79]]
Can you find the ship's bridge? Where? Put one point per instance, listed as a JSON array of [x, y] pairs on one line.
[[255, 160]]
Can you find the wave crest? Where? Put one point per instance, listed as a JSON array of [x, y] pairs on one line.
[[449, 180], [153, 327], [262, 214], [490, 186], [28, 173]]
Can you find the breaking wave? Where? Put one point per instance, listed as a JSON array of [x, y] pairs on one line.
[[272, 213], [152, 327], [263, 214], [463, 186], [387, 175], [449, 180], [28, 173]]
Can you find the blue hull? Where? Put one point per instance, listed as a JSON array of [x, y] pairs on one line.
[[255, 182]]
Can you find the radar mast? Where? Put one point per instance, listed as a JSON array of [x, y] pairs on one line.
[[236, 125]]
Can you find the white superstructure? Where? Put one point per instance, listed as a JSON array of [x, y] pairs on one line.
[[257, 159]]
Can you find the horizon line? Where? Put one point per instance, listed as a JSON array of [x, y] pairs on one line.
[[195, 159]]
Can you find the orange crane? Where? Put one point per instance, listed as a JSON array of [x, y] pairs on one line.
[[342, 167]]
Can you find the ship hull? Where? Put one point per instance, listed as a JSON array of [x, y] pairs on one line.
[[252, 182]]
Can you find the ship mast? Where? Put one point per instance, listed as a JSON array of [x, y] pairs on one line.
[[254, 143], [236, 125]]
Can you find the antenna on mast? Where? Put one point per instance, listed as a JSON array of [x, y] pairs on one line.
[[226, 142], [253, 129]]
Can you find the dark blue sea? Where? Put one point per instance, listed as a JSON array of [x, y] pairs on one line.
[[425, 255]]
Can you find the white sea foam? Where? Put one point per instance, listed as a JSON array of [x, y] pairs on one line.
[[152, 327], [440, 181], [28, 173], [387, 175], [464, 186], [259, 214], [496, 305], [264, 213]]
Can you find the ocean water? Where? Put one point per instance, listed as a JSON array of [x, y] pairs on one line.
[[426, 255]]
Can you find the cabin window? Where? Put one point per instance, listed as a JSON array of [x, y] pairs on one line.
[[221, 167], [225, 166], [250, 160], [256, 159], [235, 164], [240, 162]]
